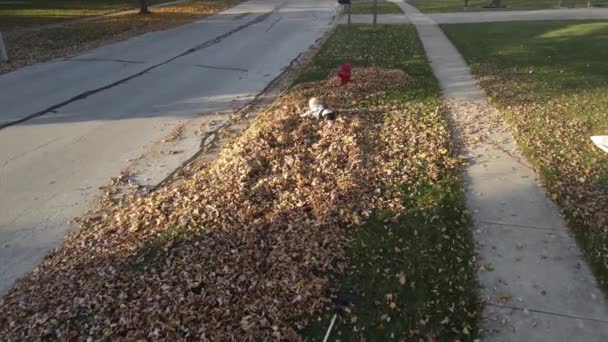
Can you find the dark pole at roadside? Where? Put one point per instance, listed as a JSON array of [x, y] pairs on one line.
[[3, 54], [349, 8], [375, 12], [143, 7]]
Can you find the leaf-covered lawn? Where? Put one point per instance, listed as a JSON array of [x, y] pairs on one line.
[[550, 81], [429, 6], [412, 276], [25, 47], [27, 13], [367, 7]]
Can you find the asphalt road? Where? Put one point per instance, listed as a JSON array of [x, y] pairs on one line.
[[67, 126]]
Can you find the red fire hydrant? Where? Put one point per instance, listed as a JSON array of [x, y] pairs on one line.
[[344, 74]]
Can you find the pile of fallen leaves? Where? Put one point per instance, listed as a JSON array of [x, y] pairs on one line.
[[242, 248]]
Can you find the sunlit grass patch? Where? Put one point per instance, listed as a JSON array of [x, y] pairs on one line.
[[367, 7], [507, 5]]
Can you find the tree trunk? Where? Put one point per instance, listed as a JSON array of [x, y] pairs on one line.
[[495, 4], [143, 7], [3, 54]]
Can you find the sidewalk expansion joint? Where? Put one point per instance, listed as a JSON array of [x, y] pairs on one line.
[[547, 313], [522, 226]]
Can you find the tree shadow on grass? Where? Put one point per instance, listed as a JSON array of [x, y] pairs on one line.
[[407, 270]]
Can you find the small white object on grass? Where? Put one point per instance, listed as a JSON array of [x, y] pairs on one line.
[[331, 325], [601, 141]]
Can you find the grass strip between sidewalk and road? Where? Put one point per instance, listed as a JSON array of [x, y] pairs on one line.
[[26, 47], [430, 6], [412, 276], [549, 80]]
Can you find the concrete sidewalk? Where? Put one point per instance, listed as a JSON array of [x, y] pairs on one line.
[[534, 283], [553, 14]]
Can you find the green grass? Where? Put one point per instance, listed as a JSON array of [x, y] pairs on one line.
[[391, 47], [431, 244], [384, 7], [429, 6], [550, 82], [24, 13]]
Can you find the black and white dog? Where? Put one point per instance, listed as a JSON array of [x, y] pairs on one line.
[[317, 110]]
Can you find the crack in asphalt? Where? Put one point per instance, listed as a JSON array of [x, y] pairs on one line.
[[102, 60], [272, 25], [221, 68], [194, 49], [241, 16]]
